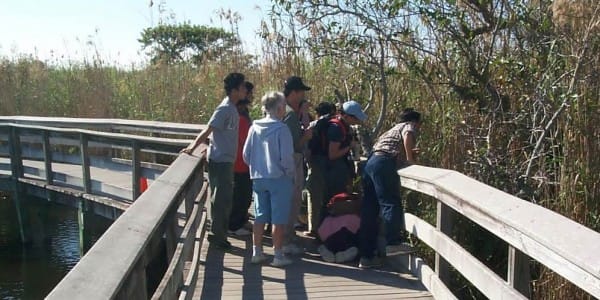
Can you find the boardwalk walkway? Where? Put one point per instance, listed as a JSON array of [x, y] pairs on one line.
[[230, 275]]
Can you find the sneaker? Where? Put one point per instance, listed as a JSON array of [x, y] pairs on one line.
[[240, 232], [259, 259], [311, 234], [401, 249], [346, 255], [326, 255], [281, 261], [292, 249]]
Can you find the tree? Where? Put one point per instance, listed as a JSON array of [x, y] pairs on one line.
[[185, 42]]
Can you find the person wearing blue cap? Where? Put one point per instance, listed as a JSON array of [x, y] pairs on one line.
[[339, 168]]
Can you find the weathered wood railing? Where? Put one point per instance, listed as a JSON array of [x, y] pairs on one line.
[[160, 227], [566, 247], [18, 135], [116, 266]]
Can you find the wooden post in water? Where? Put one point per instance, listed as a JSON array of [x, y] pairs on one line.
[[444, 222], [16, 164], [135, 169], [519, 275], [82, 209], [47, 157]]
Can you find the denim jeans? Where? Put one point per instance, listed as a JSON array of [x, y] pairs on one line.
[[381, 188]]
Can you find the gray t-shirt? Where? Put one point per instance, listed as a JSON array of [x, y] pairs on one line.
[[224, 138], [291, 120]]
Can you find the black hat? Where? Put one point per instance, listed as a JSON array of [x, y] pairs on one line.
[[294, 83]]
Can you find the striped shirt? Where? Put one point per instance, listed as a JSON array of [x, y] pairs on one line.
[[392, 141]]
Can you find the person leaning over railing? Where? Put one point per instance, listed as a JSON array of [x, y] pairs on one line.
[[394, 149], [223, 126], [269, 152]]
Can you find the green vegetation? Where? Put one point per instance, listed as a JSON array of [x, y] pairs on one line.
[[509, 89]]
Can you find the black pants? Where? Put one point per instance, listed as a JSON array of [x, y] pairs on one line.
[[242, 197]]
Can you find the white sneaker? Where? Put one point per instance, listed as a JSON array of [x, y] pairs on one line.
[[259, 259], [401, 249], [281, 262], [326, 254], [346, 255], [240, 232], [293, 249]]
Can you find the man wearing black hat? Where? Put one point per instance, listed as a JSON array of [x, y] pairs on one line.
[[294, 90]]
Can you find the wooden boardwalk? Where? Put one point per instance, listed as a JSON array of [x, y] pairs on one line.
[[230, 275]]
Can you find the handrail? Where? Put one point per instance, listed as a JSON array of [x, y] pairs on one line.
[[565, 246], [115, 267], [108, 124]]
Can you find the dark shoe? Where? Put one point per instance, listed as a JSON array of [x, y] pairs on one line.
[[219, 244], [368, 263]]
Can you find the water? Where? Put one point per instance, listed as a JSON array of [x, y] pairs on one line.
[[30, 272]]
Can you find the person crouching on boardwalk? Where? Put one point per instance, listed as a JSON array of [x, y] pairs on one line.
[[269, 152]]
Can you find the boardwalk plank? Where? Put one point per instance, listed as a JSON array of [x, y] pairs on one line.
[[230, 275]]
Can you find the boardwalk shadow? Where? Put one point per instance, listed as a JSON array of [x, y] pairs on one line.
[[232, 276]]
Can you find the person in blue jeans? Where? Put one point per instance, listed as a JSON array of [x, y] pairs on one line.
[[269, 152], [394, 149]]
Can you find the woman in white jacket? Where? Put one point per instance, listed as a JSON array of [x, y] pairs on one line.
[[269, 152]]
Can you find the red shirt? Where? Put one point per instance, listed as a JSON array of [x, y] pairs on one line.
[[240, 166]]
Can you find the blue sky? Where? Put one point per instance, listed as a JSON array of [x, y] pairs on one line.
[[74, 29]]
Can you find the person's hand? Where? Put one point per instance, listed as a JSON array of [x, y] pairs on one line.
[[307, 133], [187, 150]]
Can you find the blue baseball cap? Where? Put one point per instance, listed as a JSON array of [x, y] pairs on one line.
[[353, 108]]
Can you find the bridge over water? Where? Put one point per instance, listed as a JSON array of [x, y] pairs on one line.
[[156, 247]]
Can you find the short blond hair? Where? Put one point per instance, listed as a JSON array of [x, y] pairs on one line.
[[271, 101]]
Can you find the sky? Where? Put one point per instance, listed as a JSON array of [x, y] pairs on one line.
[[63, 30]]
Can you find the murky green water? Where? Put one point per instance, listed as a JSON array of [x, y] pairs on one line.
[[30, 272]]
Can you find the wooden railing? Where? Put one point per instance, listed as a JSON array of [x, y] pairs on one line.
[[166, 219], [116, 266], [17, 135], [564, 246]]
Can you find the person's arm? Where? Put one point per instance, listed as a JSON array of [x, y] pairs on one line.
[[335, 138], [291, 120], [286, 152], [201, 138], [410, 144], [247, 152]]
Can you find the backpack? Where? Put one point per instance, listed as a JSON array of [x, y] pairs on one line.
[[318, 144]]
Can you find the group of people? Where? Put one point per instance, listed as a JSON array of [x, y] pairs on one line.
[[266, 160]]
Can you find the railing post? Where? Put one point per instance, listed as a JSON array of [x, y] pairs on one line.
[[16, 161], [518, 271], [85, 163], [444, 220], [47, 157], [135, 170]]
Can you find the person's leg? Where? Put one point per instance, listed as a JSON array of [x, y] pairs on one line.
[[281, 190], [242, 197], [247, 195], [368, 216], [262, 211], [337, 178], [316, 189], [236, 205], [221, 182], [387, 187], [290, 232]]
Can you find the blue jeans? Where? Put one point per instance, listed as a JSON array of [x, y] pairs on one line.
[[381, 188]]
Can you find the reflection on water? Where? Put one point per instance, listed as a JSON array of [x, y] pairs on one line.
[[30, 272]]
